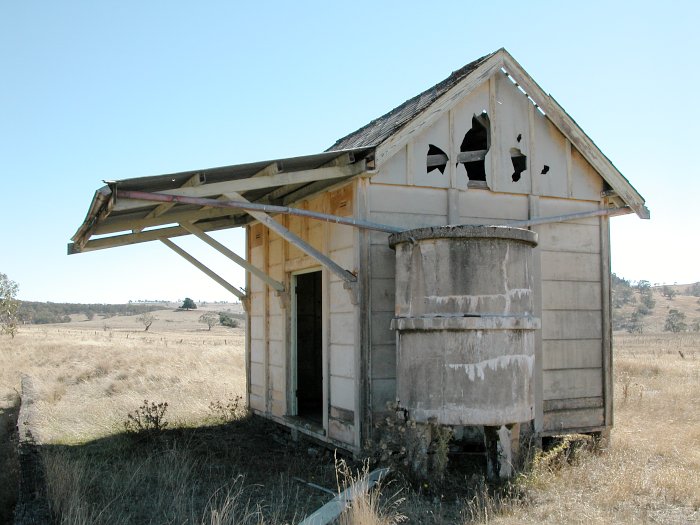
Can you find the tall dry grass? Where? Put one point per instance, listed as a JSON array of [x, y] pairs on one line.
[[650, 473], [377, 505], [161, 484], [92, 378], [89, 378]]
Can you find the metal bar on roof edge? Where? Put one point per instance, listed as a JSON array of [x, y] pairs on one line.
[[358, 223], [268, 208], [610, 212]]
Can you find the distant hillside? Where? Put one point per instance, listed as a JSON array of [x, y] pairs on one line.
[[639, 307], [32, 312]]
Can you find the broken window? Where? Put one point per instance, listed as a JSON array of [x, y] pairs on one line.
[[474, 147], [519, 163], [437, 159]]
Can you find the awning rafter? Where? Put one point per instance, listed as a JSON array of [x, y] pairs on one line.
[[215, 276], [252, 183], [297, 241], [197, 232]]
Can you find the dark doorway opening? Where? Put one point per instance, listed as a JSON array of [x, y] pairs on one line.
[[309, 346]]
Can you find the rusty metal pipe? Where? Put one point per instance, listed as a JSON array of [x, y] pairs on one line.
[[609, 212], [349, 221], [267, 208]]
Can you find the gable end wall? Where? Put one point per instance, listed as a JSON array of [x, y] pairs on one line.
[[573, 378]]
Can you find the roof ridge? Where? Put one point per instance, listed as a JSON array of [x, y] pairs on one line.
[[381, 128]]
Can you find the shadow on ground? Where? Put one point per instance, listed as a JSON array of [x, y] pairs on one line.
[[246, 471], [9, 464]]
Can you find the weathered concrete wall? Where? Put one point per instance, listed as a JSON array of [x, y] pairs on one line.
[[464, 316]]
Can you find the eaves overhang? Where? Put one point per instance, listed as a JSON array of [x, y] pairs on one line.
[[114, 221]]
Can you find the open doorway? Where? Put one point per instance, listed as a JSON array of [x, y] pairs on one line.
[[308, 337]]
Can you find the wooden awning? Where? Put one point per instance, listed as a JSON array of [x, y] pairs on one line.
[[114, 221], [158, 208]]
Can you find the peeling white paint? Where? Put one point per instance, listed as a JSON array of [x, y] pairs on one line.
[[476, 370], [484, 304]]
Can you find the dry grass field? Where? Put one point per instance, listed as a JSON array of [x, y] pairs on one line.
[[91, 373], [212, 466], [650, 473]]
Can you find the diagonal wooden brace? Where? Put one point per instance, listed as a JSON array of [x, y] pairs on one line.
[[283, 232], [194, 230], [223, 282]]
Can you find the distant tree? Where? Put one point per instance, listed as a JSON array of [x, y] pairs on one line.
[[616, 279], [693, 289], [641, 310], [675, 321], [618, 319], [25, 316], [8, 305], [621, 296], [648, 299], [146, 319], [90, 315], [622, 291], [643, 286], [188, 304], [695, 327], [669, 292], [635, 324], [226, 319], [209, 318]]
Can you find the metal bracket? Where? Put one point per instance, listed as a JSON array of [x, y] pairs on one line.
[[245, 301], [284, 299], [354, 291]]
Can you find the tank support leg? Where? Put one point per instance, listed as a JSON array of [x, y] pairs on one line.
[[420, 456], [502, 448]]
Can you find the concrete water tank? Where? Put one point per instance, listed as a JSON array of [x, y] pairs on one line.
[[465, 324]]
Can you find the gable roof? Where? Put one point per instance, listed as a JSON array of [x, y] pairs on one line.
[[382, 128], [393, 129], [285, 181]]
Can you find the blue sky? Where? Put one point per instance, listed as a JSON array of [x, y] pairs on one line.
[[110, 90]]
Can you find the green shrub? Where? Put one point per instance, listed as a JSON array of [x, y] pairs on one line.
[[227, 319]]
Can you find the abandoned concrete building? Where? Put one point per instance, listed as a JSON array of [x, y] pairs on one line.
[[452, 255]]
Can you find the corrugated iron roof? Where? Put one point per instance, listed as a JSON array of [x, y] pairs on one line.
[[107, 216], [235, 171], [382, 128]]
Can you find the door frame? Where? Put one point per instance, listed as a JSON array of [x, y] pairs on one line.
[[293, 409]]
